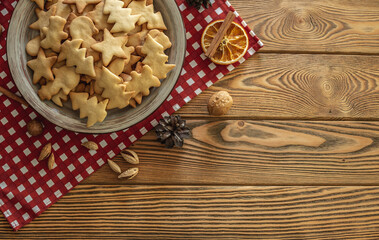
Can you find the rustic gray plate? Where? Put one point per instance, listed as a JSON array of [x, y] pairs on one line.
[[18, 36]]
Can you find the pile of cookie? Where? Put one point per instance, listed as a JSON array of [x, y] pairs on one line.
[[100, 54]]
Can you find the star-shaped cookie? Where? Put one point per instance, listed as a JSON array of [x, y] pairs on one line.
[[81, 4], [154, 20], [42, 66], [111, 46], [66, 79], [43, 18], [90, 108], [117, 66]]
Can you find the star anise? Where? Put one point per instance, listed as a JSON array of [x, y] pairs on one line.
[[172, 130], [198, 3]]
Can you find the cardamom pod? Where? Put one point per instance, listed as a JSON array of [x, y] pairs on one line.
[[90, 145], [129, 174], [131, 158], [114, 166], [45, 152], [51, 161]]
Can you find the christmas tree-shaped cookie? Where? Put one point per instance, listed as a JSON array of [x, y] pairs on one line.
[[156, 58], [141, 83], [153, 20], [114, 90], [76, 56], [90, 108]]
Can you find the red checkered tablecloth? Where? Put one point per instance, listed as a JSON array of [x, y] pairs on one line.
[[27, 187]]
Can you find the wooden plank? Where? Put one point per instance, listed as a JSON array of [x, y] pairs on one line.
[[220, 212], [324, 26], [288, 86], [240, 152]]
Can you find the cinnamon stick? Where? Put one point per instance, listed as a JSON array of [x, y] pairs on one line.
[[220, 34], [13, 96]]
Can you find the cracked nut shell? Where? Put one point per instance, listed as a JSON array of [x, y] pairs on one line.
[[34, 127]]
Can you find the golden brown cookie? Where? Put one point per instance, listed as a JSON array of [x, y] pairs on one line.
[[33, 46], [42, 67], [123, 19], [59, 97], [117, 66], [141, 83], [81, 4], [90, 108], [112, 4], [156, 58], [66, 79], [111, 46], [63, 10], [83, 28], [76, 56], [98, 17], [161, 38], [54, 33], [154, 20], [114, 90], [43, 19]]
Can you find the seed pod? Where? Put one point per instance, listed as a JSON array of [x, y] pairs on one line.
[[51, 161], [114, 166], [45, 152], [129, 174], [131, 158], [90, 145]]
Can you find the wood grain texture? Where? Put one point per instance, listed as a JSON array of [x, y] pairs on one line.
[[228, 180], [297, 86], [224, 212], [240, 152], [321, 26]]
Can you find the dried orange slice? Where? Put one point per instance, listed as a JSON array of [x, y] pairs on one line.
[[232, 47]]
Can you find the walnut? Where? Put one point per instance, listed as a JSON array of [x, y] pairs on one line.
[[220, 103], [35, 127]]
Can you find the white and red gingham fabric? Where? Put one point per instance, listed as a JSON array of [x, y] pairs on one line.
[[27, 187]]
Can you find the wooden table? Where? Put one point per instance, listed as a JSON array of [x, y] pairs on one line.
[[296, 158]]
